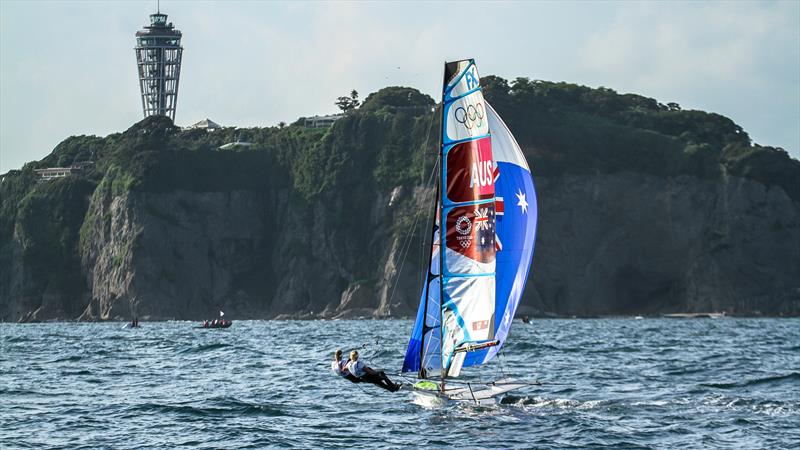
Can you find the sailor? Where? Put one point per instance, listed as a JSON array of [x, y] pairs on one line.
[[339, 367], [360, 370]]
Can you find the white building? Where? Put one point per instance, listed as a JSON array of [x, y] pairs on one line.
[[322, 121], [205, 124], [51, 173]]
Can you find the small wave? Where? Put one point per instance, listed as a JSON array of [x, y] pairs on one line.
[[205, 348], [541, 402], [212, 409], [755, 381], [621, 349], [685, 371], [527, 346], [380, 354], [768, 407], [17, 392], [658, 403], [75, 372], [72, 358]]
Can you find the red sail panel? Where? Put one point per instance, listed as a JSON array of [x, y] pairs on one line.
[[470, 231], [470, 171]]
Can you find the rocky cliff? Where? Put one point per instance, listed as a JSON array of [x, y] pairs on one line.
[[638, 244], [332, 223], [623, 243]]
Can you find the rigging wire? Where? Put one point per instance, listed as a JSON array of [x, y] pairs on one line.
[[404, 249]]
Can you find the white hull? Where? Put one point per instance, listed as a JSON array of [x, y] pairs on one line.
[[477, 394]]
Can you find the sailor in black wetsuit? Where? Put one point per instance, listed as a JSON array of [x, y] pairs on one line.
[[364, 373]]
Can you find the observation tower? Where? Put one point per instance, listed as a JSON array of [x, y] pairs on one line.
[[158, 60]]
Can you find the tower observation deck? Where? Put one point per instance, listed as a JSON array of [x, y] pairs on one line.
[[158, 59]]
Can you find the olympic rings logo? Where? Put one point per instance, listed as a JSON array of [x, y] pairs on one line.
[[463, 225], [470, 117]]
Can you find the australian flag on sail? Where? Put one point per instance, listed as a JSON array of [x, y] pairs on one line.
[[471, 231]]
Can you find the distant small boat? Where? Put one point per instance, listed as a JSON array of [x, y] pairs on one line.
[[216, 324]]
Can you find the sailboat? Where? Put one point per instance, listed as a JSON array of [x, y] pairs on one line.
[[475, 280]]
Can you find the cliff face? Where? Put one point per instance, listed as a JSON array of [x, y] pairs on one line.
[[185, 255], [607, 244], [637, 244]]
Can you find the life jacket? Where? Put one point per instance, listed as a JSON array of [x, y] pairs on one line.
[[356, 368]]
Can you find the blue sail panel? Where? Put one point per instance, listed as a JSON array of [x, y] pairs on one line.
[[411, 363], [427, 326], [517, 215]]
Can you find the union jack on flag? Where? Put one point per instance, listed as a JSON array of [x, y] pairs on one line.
[[481, 219]]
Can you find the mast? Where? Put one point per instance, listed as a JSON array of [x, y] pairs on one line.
[[442, 234]]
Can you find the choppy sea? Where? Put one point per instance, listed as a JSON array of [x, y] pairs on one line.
[[650, 383]]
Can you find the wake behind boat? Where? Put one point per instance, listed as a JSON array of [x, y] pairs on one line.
[[476, 279]]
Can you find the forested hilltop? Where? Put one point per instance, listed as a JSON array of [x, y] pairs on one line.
[[644, 208]]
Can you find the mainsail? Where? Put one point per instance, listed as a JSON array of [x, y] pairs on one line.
[[474, 285]]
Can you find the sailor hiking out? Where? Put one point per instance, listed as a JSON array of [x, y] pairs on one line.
[[339, 367], [363, 373]]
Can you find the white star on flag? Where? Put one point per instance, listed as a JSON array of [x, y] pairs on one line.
[[522, 203]]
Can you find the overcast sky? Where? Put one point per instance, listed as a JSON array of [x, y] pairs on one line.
[[68, 68]]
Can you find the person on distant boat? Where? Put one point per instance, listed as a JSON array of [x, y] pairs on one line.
[[360, 370], [525, 319], [339, 367]]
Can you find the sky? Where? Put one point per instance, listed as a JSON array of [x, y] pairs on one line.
[[68, 67]]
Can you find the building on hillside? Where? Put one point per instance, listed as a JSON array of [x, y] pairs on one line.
[[158, 62], [205, 124], [322, 121], [51, 173]]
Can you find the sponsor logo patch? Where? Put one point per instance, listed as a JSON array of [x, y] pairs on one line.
[[480, 325]]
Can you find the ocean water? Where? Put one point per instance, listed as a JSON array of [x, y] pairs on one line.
[[651, 383]]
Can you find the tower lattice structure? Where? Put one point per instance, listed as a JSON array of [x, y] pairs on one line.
[[158, 59]]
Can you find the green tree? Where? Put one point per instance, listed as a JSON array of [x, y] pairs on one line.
[[348, 103]]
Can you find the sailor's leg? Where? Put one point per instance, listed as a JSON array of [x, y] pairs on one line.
[[391, 385], [376, 380]]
